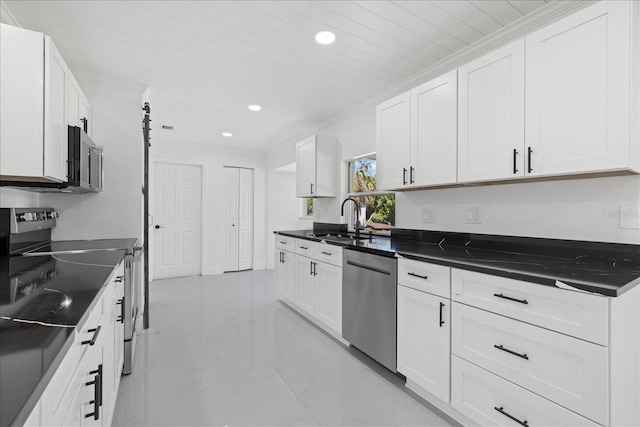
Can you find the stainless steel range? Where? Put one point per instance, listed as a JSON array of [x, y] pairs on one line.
[[26, 232]]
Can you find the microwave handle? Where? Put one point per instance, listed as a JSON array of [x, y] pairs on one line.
[[89, 167]]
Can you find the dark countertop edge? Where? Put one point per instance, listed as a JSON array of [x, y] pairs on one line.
[[35, 396], [591, 288]]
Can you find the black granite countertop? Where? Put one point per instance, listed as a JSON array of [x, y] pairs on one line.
[[43, 301], [85, 245], [603, 268]]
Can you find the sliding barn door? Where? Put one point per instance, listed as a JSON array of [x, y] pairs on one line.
[[238, 219]]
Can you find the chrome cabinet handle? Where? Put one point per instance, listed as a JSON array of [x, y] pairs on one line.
[[404, 176], [515, 164], [529, 151], [418, 276], [326, 253], [441, 307]]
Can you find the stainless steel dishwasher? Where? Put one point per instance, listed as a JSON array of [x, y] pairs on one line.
[[369, 285]]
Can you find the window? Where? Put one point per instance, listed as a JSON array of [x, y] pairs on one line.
[[377, 209], [306, 208]]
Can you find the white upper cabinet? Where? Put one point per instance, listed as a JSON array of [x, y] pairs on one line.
[[578, 93], [317, 172], [434, 131], [416, 136], [22, 101], [56, 77], [36, 105], [78, 108], [393, 135], [491, 115]]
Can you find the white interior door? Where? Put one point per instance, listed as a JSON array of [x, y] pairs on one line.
[[245, 214], [177, 211], [238, 219]]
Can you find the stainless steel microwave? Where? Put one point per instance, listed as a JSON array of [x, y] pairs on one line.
[[85, 163]]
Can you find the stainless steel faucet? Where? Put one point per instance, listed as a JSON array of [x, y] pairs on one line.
[[357, 213]]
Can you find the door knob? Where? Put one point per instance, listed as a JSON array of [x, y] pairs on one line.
[[158, 227]]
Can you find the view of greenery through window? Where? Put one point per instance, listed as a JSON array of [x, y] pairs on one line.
[[377, 211]]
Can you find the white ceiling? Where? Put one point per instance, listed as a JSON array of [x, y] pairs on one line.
[[206, 61]]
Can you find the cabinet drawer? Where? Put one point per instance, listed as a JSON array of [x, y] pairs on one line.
[[305, 247], [285, 243], [490, 400], [566, 370], [422, 276], [574, 313], [330, 254]]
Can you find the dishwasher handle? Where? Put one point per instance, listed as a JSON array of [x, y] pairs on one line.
[[368, 267]]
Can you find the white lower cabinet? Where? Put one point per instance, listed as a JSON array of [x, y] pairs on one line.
[[310, 280], [490, 400], [305, 294], [424, 334], [329, 301], [566, 370], [84, 388], [285, 274]]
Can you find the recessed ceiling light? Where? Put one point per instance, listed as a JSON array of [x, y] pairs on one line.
[[325, 37], [255, 107], [227, 134]]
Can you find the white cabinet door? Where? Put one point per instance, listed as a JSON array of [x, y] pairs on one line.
[[280, 272], [424, 335], [285, 275], [491, 115], [306, 184], [306, 284], [78, 108], [578, 92], [329, 300], [434, 131], [393, 142], [56, 77], [22, 101], [290, 276]]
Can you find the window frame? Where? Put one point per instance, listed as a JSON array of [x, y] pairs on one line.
[[350, 175], [304, 211]]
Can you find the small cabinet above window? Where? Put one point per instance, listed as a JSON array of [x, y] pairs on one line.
[[317, 167]]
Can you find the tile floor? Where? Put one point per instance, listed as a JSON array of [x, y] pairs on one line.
[[222, 350]]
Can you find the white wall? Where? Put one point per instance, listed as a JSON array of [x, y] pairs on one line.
[[580, 209], [283, 209], [10, 198], [117, 211], [213, 160]]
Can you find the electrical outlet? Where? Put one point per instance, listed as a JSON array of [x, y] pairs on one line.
[[473, 215], [429, 215], [629, 218]]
